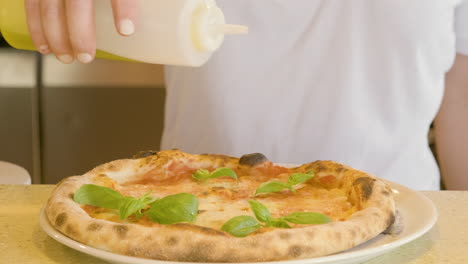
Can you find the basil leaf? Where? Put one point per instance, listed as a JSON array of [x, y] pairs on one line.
[[241, 226], [297, 178], [273, 186], [307, 218], [260, 211], [278, 223], [177, 208], [147, 199], [201, 174], [104, 197], [129, 206], [99, 196], [219, 172]]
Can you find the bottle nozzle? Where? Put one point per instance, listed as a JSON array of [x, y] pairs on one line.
[[210, 27], [229, 29]]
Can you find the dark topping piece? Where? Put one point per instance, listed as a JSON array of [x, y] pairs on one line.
[[253, 159], [144, 154]]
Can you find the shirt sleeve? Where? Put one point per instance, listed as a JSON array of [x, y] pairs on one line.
[[461, 27]]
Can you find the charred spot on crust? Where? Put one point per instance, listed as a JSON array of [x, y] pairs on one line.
[[320, 166], [395, 223], [71, 231], [144, 154], [366, 185], [338, 236], [385, 192], [61, 181], [223, 159], [359, 232], [295, 251], [210, 231], [121, 230], [200, 229], [284, 236], [391, 219], [200, 252], [339, 168], [252, 159], [228, 258], [172, 241], [307, 167], [94, 227], [142, 251], [262, 230], [218, 160], [253, 244], [61, 219]]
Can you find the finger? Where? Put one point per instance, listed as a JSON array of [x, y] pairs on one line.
[[55, 29], [33, 17], [81, 29], [125, 15]]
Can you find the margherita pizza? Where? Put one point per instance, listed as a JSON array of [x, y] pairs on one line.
[[176, 206]]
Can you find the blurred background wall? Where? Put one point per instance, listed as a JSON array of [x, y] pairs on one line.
[[61, 120]]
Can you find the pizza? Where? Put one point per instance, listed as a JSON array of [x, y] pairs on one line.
[[175, 206]]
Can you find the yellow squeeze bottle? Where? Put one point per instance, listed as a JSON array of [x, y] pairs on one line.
[[173, 32]]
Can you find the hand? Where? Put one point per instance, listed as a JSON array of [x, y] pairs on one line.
[[66, 28]]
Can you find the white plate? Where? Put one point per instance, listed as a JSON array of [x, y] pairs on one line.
[[418, 212]]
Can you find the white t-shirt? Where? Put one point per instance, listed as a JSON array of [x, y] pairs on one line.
[[358, 82]]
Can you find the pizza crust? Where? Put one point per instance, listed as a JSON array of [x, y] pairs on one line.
[[189, 242]]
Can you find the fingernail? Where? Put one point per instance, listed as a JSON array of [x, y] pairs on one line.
[[126, 27], [44, 49], [67, 59], [84, 57]]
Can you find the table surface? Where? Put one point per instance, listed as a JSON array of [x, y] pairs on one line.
[[23, 241]]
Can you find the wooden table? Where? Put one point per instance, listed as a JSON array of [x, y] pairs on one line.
[[23, 241]]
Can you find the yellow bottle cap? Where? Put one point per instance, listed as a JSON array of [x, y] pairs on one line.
[[13, 26]]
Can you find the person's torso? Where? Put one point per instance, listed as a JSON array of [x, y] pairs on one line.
[[357, 82]]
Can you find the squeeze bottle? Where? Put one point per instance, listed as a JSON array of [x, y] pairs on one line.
[[173, 32]]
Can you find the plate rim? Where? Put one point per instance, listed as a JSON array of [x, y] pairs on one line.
[[361, 253]]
